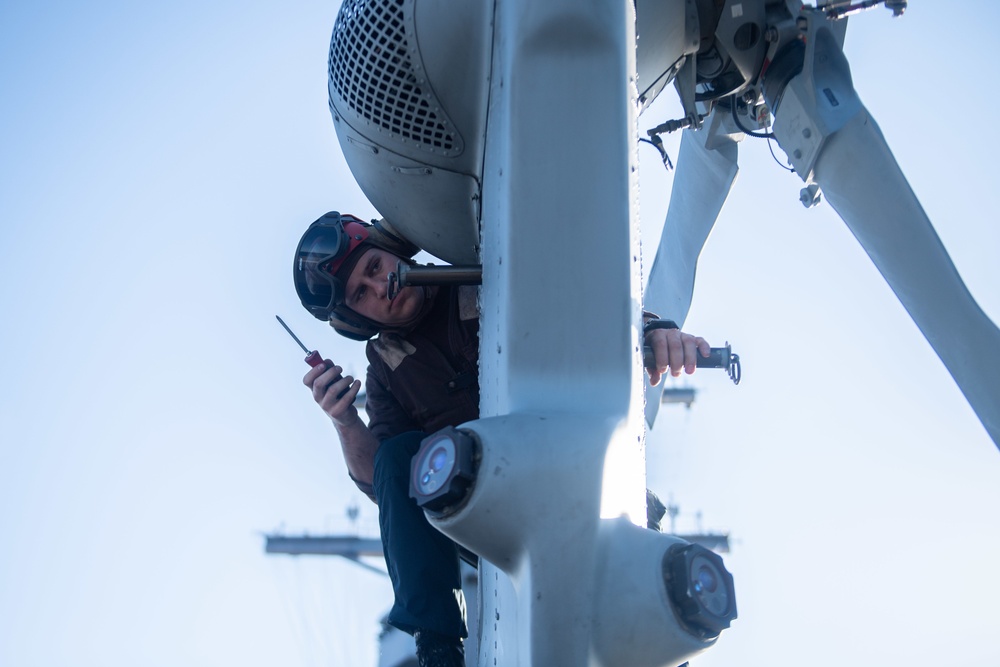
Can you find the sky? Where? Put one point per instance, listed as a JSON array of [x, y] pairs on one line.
[[153, 426]]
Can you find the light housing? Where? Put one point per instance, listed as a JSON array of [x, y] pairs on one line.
[[443, 469], [700, 588]]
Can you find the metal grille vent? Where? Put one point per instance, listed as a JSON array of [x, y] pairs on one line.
[[377, 72]]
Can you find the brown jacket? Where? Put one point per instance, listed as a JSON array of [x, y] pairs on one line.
[[428, 378]]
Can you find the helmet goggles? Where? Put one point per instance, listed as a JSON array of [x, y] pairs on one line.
[[322, 252]]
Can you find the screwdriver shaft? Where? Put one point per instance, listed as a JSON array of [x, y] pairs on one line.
[[294, 337]]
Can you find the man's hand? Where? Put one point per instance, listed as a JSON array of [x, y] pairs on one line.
[[674, 350], [327, 385]]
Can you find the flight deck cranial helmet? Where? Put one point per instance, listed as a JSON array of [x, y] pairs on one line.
[[324, 259]]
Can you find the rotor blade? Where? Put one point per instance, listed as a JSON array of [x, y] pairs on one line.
[[864, 184], [833, 142], [702, 183]]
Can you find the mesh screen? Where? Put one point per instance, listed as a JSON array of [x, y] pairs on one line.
[[372, 70]]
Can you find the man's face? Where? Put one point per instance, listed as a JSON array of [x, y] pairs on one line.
[[367, 288]]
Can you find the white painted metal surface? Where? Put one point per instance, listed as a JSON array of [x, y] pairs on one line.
[[561, 426], [410, 115]]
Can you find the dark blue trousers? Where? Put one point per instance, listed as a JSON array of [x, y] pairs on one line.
[[422, 562]]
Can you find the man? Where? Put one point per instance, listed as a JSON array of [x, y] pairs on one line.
[[423, 351]]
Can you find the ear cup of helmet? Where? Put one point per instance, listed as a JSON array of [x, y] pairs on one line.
[[351, 325], [385, 236]]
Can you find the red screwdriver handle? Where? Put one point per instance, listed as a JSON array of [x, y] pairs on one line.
[[315, 359]]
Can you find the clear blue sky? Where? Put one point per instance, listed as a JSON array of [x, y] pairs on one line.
[[158, 162]]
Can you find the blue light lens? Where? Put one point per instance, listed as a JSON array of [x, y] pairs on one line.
[[438, 459], [705, 580]]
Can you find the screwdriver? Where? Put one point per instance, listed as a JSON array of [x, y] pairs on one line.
[[313, 357]]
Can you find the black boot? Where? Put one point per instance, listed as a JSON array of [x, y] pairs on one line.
[[434, 650]]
